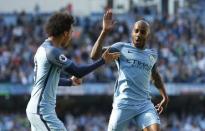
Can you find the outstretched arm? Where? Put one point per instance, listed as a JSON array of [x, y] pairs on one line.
[[107, 26], [157, 80], [80, 71], [56, 57], [73, 81], [97, 49], [64, 82]]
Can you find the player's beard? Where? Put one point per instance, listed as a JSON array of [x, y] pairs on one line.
[[139, 44]]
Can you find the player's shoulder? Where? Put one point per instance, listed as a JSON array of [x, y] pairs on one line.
[[152, 51], [42, 49], [48, 46], [116, 47], [54, 54], [120, 45], [50, 49]]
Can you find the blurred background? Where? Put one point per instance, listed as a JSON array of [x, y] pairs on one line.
[[177, 32]]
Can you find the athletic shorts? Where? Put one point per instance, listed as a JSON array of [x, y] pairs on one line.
[[120, 119]]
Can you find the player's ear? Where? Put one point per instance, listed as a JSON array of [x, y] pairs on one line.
[[65, 33]]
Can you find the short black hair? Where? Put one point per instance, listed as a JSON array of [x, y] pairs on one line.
[[58, 23]]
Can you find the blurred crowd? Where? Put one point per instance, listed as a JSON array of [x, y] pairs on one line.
[[179, 40], [98, 122], [14, 122]]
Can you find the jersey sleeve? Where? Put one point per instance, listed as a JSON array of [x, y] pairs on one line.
[[56, 57], [82, 70], [116, 47], [64, 82]]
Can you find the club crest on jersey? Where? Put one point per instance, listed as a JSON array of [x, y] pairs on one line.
[[151, 57], [63, 58]]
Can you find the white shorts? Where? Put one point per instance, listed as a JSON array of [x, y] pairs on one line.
[[49, 122]]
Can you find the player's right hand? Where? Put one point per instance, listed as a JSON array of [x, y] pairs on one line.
[[163, 104], [108, 22], [109, 57], [76, 81]]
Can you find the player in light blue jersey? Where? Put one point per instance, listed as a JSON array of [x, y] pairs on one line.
[[49, 61], [136, 66]]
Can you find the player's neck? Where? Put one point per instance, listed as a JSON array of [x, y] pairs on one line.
[[55, 41], [139, 47]]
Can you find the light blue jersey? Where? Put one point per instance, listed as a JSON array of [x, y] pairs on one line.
[[132, 101], [48, 63], [134, 67]]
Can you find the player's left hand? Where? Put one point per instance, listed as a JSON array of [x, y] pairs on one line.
[[109, 57], [108, 22], [76, 81], [163, 104]]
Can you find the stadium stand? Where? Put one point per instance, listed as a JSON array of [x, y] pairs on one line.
[[179, 40]]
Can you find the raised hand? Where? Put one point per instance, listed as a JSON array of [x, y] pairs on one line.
[[109, 57], [108, 22]]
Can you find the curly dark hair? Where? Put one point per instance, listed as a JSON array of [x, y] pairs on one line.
[[58, 23]]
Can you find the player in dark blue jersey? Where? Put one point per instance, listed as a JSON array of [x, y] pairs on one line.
[[136, 66], [49, 61]]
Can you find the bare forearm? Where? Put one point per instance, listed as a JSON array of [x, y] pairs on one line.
[[160, 86], [97, 48], [161, 90], [165, 99]]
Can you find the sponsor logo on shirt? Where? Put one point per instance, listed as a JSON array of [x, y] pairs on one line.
[[139, 64]]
